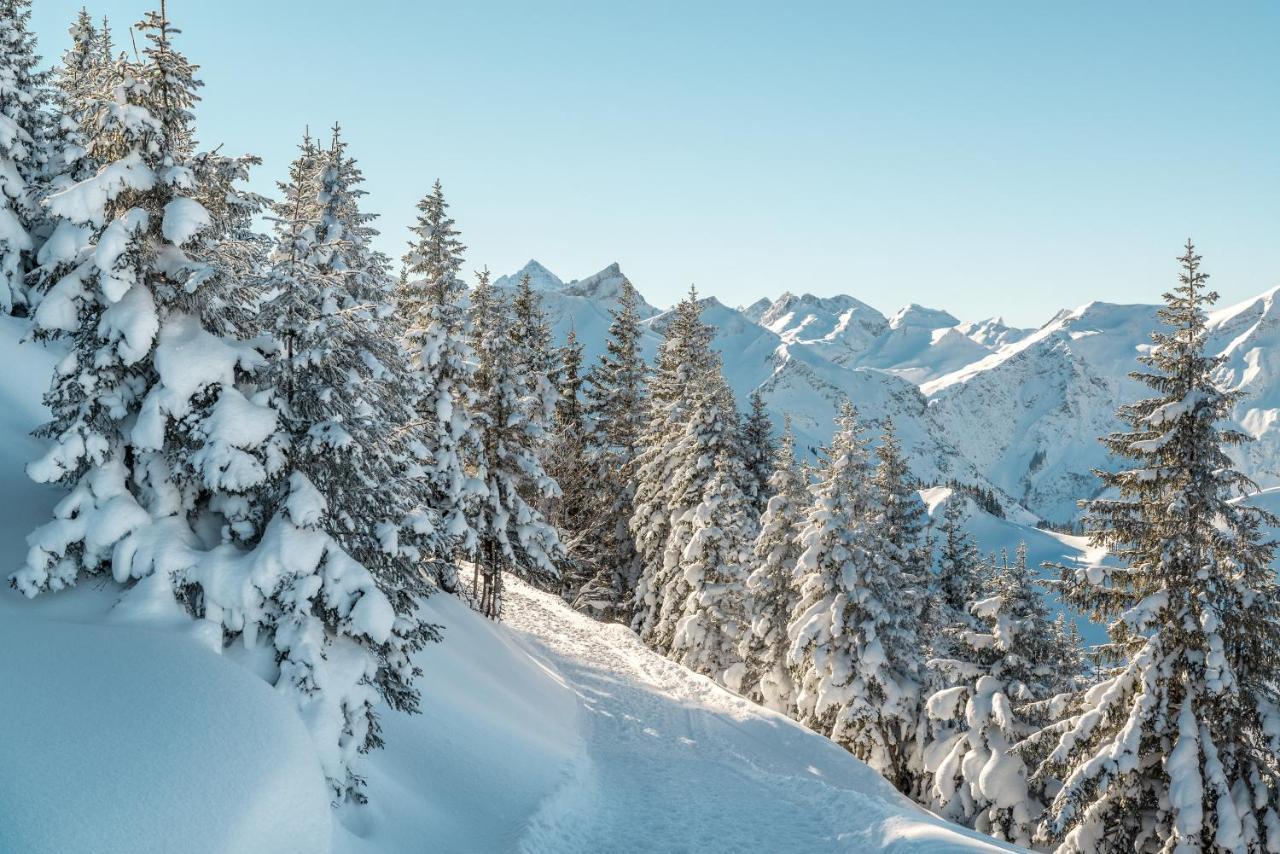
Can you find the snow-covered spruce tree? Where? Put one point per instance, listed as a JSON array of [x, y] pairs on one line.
[[771, 587], [24, 126], [535, 356], [429, 303], [163, 426], [757, 453], [340, 406], [570, 464], [616, 404], [82, 81], [713, 565], [958, 577], [142, 406], [78, 76], [1002, 671], [1176, 748], [512, 533], [84, 86], [693, 419], [899, 517], [955, 585], [853, 642]]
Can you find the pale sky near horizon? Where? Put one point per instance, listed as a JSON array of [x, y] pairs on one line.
[[989, 158]]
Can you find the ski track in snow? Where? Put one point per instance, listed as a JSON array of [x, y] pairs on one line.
[[671, 762]]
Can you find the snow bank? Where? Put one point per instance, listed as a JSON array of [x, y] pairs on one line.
[[129, 740], [497, 736]]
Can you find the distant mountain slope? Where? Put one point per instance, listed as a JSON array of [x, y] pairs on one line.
[[1017, 409]]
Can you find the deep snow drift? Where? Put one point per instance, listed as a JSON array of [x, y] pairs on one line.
[[550, 733]]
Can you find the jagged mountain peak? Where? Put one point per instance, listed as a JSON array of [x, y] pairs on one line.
[[918, 316], [540, 278]]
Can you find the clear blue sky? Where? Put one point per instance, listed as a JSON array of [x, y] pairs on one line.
[[985, 157]]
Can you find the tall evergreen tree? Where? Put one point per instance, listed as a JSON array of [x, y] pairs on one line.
[[437, 336], [23, 129], [616, 406], [570, 464], [1175, 750], [512, 533], [853, 642], [83, 90], [714, 565], [341, 406], [1003, 670], [666, 485], [693, 432], [771, 586], [163, 428], [535, 357], [945, 620], [757, 453], [958, 573], [149, 361]]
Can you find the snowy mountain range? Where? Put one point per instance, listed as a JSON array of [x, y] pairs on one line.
[[1014, 410]]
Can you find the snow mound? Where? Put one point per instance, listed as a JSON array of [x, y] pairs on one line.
[[135, 740]]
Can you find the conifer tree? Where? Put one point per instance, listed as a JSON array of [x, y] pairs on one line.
[[1175, 749], [76, 77], [437, 336], [23, 129], [616, 406], [946, 617], [757, 453], [685, 366], [693, 429], [901, 517], [715, 563], [150, 362], [534, 355], [771, 587], [958, 573], [512, 533], [340, 402], [853, 643], [164, 429], [570, 464], [1004, 669], [82, 91]]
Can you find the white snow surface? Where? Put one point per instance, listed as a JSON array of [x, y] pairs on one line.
[[556, 733]]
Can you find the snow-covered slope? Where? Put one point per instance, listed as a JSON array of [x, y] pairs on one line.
[[1247, 336], [1029, 415], [840, 327], [548, 733]]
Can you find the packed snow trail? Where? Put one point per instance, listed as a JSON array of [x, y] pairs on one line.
[[672, 762]]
